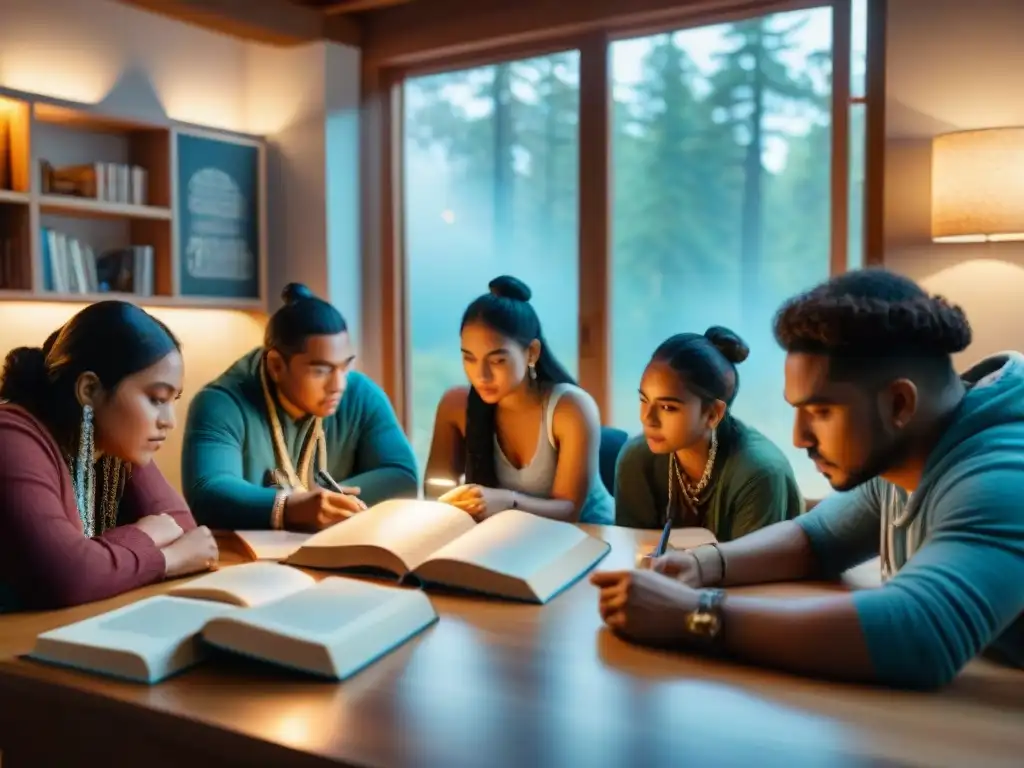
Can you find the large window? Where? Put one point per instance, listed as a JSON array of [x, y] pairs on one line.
[[722, 151], [490, 179], [720, 154]]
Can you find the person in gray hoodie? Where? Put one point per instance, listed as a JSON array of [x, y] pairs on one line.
[[930, 469]]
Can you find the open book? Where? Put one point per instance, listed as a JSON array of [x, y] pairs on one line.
[[512, 554], [332, 628]]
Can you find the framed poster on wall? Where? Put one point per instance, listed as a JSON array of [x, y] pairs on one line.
[[219, 237]]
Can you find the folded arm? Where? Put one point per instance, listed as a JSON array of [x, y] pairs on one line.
[[44, 555], [147, 492], [955, 596], [212, 471]]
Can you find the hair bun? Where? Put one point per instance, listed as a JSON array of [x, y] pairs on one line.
[[508, 287], [294, 292], [24, 375], [732, 347]]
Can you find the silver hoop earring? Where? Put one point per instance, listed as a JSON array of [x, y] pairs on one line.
[[85, 474], [533, 372]]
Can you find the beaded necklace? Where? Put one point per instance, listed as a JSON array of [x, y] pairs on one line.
[[315, 442]]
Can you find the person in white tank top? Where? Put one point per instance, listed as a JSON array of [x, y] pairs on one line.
[[523, 435]]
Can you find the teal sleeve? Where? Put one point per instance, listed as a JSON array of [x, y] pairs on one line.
[[845, 528], [212, 471], [385, 465], [766, 498], [957, 593], [635, 506]]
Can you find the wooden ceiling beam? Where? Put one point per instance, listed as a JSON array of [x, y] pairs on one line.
[[355, 6], [418, 33], [276, 22]]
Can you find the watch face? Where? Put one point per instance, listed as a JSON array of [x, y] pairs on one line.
[[704, 624]]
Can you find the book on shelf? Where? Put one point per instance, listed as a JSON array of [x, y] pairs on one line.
[[71, 266], [266, 611], [12, 275], [105, 182], [512, 554]]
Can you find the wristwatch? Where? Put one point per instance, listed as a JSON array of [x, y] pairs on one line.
[[705, 624]]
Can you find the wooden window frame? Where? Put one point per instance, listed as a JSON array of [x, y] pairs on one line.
[[385, 336]]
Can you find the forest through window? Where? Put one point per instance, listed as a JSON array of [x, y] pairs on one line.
[[721, 164]]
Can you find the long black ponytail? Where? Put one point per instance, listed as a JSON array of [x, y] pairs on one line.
[[507, 310]]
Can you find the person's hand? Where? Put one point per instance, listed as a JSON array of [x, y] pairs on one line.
[[318, 509], [193, 552], [478, 501], [644, 606], [678, 564], [162, 529]]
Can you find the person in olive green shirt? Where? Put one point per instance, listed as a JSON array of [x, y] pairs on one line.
[[695, 461]]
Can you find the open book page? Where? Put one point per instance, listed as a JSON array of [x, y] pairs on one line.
[[145, 641], [515, 554], [395, 535], [271, 545], [332, 629], [246, 585]]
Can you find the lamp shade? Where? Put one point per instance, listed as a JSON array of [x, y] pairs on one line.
[[978, 186]]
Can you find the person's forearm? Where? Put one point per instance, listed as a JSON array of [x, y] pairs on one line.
[[440, 477], [779, 552], [556, 509], [232, 504], [816, 637]]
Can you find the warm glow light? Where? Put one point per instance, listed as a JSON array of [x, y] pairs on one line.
[[448, 216], [29, 323], [978, 186], [67, 72]]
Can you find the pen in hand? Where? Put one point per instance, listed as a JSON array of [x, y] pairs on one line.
[[331, 484]]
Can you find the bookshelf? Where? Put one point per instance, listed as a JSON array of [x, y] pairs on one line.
[[97, 206]]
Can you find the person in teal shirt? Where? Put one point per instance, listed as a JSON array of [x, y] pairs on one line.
[[695, 462], [289, 437], [929, 467]]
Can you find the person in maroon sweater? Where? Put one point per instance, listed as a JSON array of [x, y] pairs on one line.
[[84, 512]]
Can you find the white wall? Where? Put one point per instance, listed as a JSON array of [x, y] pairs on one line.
[[951, 66], [148, 67]]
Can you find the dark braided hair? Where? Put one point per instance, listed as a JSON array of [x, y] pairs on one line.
[[303, 315], [868, 320], [506, 309], [112, 339]]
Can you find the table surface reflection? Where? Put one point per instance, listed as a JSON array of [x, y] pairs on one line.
[[494, 683]]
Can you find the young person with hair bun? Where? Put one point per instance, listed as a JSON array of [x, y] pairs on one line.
[[931, 465], [696, 463], [523, 434], [290, 437], [84, 512]]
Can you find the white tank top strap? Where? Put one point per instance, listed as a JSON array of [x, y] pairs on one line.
[[549, 416]]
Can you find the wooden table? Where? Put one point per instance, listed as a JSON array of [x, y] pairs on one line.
[[497, 684]]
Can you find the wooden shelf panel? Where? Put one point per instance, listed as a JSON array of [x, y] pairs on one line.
[[83, 206], [7, 196], [57, 180], [183, 302]]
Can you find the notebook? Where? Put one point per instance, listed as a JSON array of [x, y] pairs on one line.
[[267, 611], [511, 554]]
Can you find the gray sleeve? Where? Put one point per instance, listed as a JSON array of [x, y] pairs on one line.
[[845, 528]]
